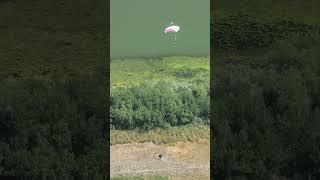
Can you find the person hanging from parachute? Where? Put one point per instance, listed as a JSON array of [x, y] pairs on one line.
[[172, 29]]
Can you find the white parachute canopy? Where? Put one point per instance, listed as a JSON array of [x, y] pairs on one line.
[[172, 28]]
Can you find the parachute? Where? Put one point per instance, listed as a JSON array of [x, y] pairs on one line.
[[172, 29]]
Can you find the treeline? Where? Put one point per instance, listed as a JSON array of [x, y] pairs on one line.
[[148, 106], [265, 114], [53, 129]]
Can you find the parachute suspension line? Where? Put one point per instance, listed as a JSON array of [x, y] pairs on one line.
[[174, 35]]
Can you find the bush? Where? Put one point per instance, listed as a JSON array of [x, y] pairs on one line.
[[148, 106]]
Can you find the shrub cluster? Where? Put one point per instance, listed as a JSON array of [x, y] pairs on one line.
[[147, 106], [188, 72]]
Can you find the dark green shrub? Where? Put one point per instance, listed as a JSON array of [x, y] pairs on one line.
[[148, 106]]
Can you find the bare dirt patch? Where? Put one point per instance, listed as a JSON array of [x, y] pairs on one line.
[[182, 160]]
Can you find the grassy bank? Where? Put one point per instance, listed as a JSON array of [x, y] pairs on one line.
[[126, 72], [191, 133]]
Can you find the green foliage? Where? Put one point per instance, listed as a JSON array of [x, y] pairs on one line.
[[148, 106], [244, 31], [306, 11], [148, 94], [52, 129], [52, 102], [265, 114], [187, 72], [127, 72]]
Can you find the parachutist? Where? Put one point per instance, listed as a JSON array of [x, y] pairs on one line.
[[172, 29]]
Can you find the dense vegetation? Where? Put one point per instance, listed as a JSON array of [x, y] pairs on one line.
[[159, 93], [164, 104], [53, 87], [265, 102], [243, 31], [52, 129], [127, 72]]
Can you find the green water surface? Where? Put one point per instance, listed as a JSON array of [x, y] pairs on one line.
[[137, 28]]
